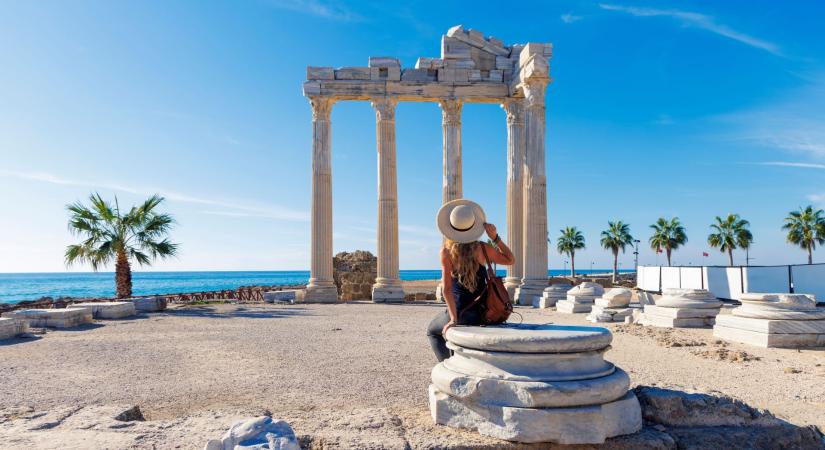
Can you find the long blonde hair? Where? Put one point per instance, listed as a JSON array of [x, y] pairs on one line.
[[465, 264]]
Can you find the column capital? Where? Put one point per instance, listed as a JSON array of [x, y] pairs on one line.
[[514, 108], [384, 108], [451, 111], [534, 90], [321, 107]]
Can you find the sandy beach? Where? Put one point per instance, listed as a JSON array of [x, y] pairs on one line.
[[345, 376]]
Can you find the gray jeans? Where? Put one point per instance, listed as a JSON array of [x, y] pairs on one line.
[[472, 316]]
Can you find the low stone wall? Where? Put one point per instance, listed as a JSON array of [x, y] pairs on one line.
[[354, 274]]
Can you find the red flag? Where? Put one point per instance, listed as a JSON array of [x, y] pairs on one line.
[[658, 250], [705, 254]]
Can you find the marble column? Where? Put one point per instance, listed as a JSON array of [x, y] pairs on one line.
[[451, 128], [535, 195], [515, 171], [321, 287], [387, 285]]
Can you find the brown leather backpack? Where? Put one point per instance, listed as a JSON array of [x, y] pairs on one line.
[[494, 299]]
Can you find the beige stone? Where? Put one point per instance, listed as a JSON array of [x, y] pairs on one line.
[[53, 318], [12, 327], [109, 310]]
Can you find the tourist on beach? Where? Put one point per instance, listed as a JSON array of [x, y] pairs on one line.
[[463, 261]]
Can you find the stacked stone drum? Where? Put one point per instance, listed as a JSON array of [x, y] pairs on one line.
[[613, 306], [580, 299], [551, 295], [774, 320], [683, 308], [534, 383]]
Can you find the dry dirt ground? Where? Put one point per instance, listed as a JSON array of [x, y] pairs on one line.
[[345, 376]]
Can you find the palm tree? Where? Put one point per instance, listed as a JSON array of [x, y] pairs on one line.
[[570, 240], [138, 235], [616, 237], [806, 228], [668, 235], [730, 233]]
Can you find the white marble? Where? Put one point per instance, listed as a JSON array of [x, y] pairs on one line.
[[515, 188], [779, 306], [288, 296], [591, 424], [688, 298], [53, 318], [11, 327], [259, 433], [576, 306], [149, 304], [774, 320], [109, 310], [616, 297], [531, 338], [551, 295], [531, 393]]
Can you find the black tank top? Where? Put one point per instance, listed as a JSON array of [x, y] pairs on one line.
[[462, 295]]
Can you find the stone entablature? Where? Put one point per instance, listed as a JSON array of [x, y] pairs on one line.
[[472, 69]]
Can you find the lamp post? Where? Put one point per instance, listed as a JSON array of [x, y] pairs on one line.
[[636, 255]]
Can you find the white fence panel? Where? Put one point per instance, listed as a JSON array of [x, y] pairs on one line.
[[766, 279], [809, 279], [724, 282], [691, 278], [670, 277], [649, 278]]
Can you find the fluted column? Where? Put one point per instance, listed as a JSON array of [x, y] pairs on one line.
[[451, 129], [387, 285], [535, 195], [515, 171], [321, 287]]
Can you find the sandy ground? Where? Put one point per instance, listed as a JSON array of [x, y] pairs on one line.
[[345, 376]]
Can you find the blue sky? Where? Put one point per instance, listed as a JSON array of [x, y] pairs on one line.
[[692, 109]]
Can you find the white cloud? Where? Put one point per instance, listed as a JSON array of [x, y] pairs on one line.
[[326, 10], [793, 164], [570, 18], [698, 20], [237, 209]]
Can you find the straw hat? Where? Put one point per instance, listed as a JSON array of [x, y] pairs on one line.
[[461, 221]]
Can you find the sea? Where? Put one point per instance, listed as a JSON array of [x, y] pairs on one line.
[[16, 287]]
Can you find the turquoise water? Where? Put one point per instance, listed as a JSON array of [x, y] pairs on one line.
[[15, 287]]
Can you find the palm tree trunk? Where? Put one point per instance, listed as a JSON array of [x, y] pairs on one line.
[[730, 257], [123, 276], [615, 266], [810, 255], [667, 251], [572, 264]]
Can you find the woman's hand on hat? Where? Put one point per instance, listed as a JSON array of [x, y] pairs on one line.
[[491, 231]]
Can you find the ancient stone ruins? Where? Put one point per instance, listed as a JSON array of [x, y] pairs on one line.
[[472, 69], [580, 298], [534, 383], [683, 308], [774, 320]]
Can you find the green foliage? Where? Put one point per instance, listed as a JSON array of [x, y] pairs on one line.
[[668, 235], [140, 234], [616, 237], [570, 240], [730, 233], [806, 228]]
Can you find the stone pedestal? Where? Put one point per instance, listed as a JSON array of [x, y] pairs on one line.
[[613, 306], [551, 295], [533, 383], [580, 299], [682, 308], [774, 320], [53, 318], [11, 327], [109, 310]]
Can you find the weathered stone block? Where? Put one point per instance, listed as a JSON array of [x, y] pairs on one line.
[[53, 318], [258, 433], [354, 73], [419, 75], [109, 310], [149, 304], [384, 61], [287, 296], [320, 73], [452, 48], [11, 327]]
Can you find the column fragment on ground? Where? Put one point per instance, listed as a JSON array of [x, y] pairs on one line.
[[451, 127], [535, 195], [321, 287], [515, 186], [388, 284]]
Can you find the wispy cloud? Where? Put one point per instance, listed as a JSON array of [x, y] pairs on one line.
[[792, 164], [326, 10], [698, 20], [229, 208], [570, 18], [819, 199], [664, 119]]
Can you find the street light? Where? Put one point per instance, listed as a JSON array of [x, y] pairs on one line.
[[636, 255]]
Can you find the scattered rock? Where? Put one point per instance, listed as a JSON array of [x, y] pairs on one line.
[[261, 433], [131, 415], [792, 370], [724, 354], [682, 409], [354, 274]]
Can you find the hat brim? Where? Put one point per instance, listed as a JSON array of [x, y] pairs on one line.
[[442, 220]]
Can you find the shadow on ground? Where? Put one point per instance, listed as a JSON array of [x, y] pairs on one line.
[[243, 312]]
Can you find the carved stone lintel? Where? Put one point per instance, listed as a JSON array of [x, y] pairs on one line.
[[384, 109], [321, 108], [451, 112]]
